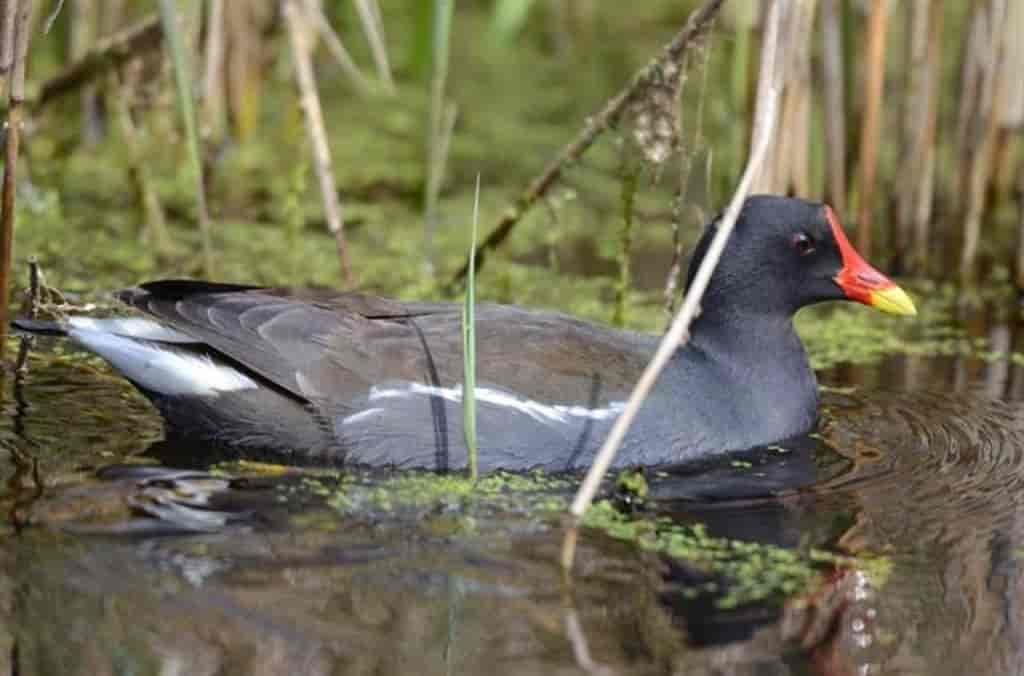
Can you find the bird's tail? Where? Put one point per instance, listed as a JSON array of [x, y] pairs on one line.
[[40, 327]]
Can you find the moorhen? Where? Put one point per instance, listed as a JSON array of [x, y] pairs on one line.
[[359, 379]]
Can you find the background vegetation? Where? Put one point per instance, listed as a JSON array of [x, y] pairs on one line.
[[904, 115]]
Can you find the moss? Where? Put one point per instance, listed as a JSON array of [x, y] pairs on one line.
[[751, 571], [848, 333], [535, 493], [633, 483], [452, 505]]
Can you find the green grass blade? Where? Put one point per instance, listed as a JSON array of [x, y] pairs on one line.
[[183, 80], [509, 18], [469, 347]]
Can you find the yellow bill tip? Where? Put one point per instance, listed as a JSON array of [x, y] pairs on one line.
[[893, 300]]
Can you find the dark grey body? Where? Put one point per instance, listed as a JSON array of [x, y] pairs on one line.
[[352, 378], [549, 386]]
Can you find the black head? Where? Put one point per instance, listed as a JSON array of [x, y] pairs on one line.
[[785, 254]]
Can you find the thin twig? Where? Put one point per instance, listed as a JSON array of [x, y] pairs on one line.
[[52, 19], [149, 199], [580, 647], [310, 101], [31, 305], [15, 112], [678, 333], [695, 27], [183, 81], [369, 14], [336, 47], [835, 111], [214, 116], [10, 11], [871, 130], [105, 55]]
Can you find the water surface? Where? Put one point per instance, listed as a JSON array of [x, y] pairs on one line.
[[133, 558]]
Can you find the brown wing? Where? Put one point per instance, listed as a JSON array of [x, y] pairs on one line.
[[325, 346]]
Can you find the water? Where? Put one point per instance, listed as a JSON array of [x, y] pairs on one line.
[[121, 565]]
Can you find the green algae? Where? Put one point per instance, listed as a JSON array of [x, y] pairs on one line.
[[633, 483], [418, 492], [740, 572], [840, 333], [749, 571]]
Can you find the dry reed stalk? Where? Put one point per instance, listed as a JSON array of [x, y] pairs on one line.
[[440, 123], [980, 137], [871, 129], [244, 65], [696, 26], [373, 27], [686, 159], [336, 47], [1010, 108], [835, 111], [299, 32], [15, 112], [105, 55], [214, 111], [920, 115], [121, 93], [974, 47], [1011, 112], [7, 22], [787, 170], [1018, 268], [84, 23], [923, 240], [677, 335], [178, 28], [769, 78]]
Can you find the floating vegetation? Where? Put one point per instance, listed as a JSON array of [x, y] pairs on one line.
[[742, 572], [736, 572]]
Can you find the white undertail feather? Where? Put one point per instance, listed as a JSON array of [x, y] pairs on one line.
[[138, 349], [130, 327]]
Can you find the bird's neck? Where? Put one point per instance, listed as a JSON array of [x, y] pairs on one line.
[[747, 337], [756, 382]]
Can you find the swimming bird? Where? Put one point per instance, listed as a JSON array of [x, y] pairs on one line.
[[351, 378]]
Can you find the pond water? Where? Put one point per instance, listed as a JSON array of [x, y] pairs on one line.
[[134, 558]]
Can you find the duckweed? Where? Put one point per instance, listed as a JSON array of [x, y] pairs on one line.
[[751, 571]]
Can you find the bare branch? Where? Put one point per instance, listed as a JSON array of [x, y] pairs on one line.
[[679, 331]]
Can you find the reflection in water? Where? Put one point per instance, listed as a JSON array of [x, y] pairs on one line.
[[148, 569]]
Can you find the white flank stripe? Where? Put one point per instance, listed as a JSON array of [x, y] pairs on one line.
[[543, 413], [356, 417], [162, 369]]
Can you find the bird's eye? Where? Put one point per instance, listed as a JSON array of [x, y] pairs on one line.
[[803, 243]]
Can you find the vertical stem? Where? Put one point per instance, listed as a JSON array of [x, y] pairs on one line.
[[773, 56], [835, 111], [981, 136], [149, 200], [336, 47], [630, 179], [369, 14], [298, 30], [10, 11], [441, 122], [84, 23], [1019, 267], [182, 72], [878, 23], [917, 170], [678, 332], [214, 117], [15, 112]]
